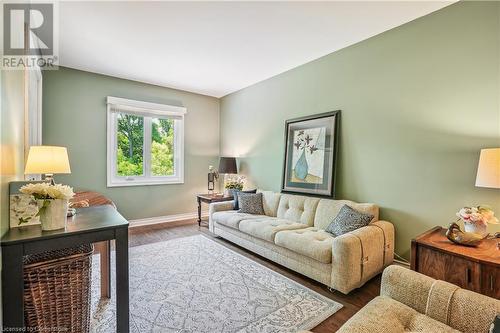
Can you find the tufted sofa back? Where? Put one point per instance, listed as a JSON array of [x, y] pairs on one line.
[[309, 210], [270, 201], [297, 208], [327, 210]]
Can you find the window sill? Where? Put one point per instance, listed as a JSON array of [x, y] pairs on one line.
[[123, 183]]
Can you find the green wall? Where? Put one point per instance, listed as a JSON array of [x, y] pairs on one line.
[[74, 115], [418, 103]]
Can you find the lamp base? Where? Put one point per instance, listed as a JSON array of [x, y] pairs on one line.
[[49, 177]]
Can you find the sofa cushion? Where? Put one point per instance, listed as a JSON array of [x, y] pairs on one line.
[[328, 209], [297, 208], [383, 314], [310, 242], [270, 201], [267, 227], [231, 218]]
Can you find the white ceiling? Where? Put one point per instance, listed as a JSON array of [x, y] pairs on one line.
[[215, 48]]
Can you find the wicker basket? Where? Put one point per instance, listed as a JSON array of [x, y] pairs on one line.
[[57, 288]]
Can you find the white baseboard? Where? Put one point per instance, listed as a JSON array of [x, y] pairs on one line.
[[166, 219]]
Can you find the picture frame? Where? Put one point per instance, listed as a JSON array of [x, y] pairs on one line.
[[311, 147], [23, 208]]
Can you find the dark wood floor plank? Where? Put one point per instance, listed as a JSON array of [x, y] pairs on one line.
[[352, 302]]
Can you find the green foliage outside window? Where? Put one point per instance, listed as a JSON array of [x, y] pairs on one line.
[[162, 147], [130, 138], [130, 145]]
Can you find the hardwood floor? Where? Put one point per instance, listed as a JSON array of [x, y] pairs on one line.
[[352, 302]]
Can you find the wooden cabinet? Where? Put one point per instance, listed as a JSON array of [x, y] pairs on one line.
[[473, 268], [490, 278]]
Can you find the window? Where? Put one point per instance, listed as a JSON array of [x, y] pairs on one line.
[[145, 143]]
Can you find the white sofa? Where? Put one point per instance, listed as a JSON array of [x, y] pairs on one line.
[[291, 233]]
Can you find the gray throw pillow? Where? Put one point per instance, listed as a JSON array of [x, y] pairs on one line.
[[251, 203], [235, 193], [347, 220]]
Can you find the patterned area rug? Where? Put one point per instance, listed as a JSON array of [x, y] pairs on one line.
[[194, 284]]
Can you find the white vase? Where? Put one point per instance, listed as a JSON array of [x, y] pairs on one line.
[[478, 228], [53, 213]]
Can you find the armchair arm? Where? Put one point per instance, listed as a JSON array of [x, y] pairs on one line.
[[217, 207], [440, 300], [406, 286], [359, 255]]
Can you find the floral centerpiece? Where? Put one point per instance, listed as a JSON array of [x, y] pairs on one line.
[[476, 219], [234, 183], [52, 200]]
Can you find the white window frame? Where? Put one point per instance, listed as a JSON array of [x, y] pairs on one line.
[[147, 110]]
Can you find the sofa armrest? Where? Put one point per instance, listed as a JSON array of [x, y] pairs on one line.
[[217, 207], [359, 255], [406, 286]]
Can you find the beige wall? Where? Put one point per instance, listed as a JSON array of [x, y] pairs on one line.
[[418, 103], [12, 137], [12, 142]]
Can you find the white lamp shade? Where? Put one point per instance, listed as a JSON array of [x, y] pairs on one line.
[[488, 170], [47, 160]]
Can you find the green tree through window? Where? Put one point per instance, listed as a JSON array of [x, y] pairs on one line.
[[162, 147], [130, 138]]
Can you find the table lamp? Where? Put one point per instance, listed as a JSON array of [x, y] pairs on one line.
[[488, 170], [47, 160], [227, 166]]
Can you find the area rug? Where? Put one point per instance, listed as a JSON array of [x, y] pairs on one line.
[[194, 284]]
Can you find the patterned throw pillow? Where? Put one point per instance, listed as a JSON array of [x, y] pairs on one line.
[[347, 220], [251, 203], [236, 205]]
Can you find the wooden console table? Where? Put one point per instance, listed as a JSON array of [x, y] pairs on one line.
[[473, 268], [209, 198], [89, 225]]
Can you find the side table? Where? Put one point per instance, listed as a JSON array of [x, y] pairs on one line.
[[473, 268], [208, 199]]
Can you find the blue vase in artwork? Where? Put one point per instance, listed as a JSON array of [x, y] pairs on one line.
[[301, 168]]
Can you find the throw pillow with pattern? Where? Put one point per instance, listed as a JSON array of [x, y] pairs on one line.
[[348, 219], [235, 193], [251, 203]]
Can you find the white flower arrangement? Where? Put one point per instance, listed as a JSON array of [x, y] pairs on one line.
[[48, 191], [234, 182], [480, 215]]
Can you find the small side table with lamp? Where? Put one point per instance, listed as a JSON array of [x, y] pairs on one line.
[[476, 268], [227, 166]]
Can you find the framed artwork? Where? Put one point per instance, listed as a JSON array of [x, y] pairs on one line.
[[310, 154]]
